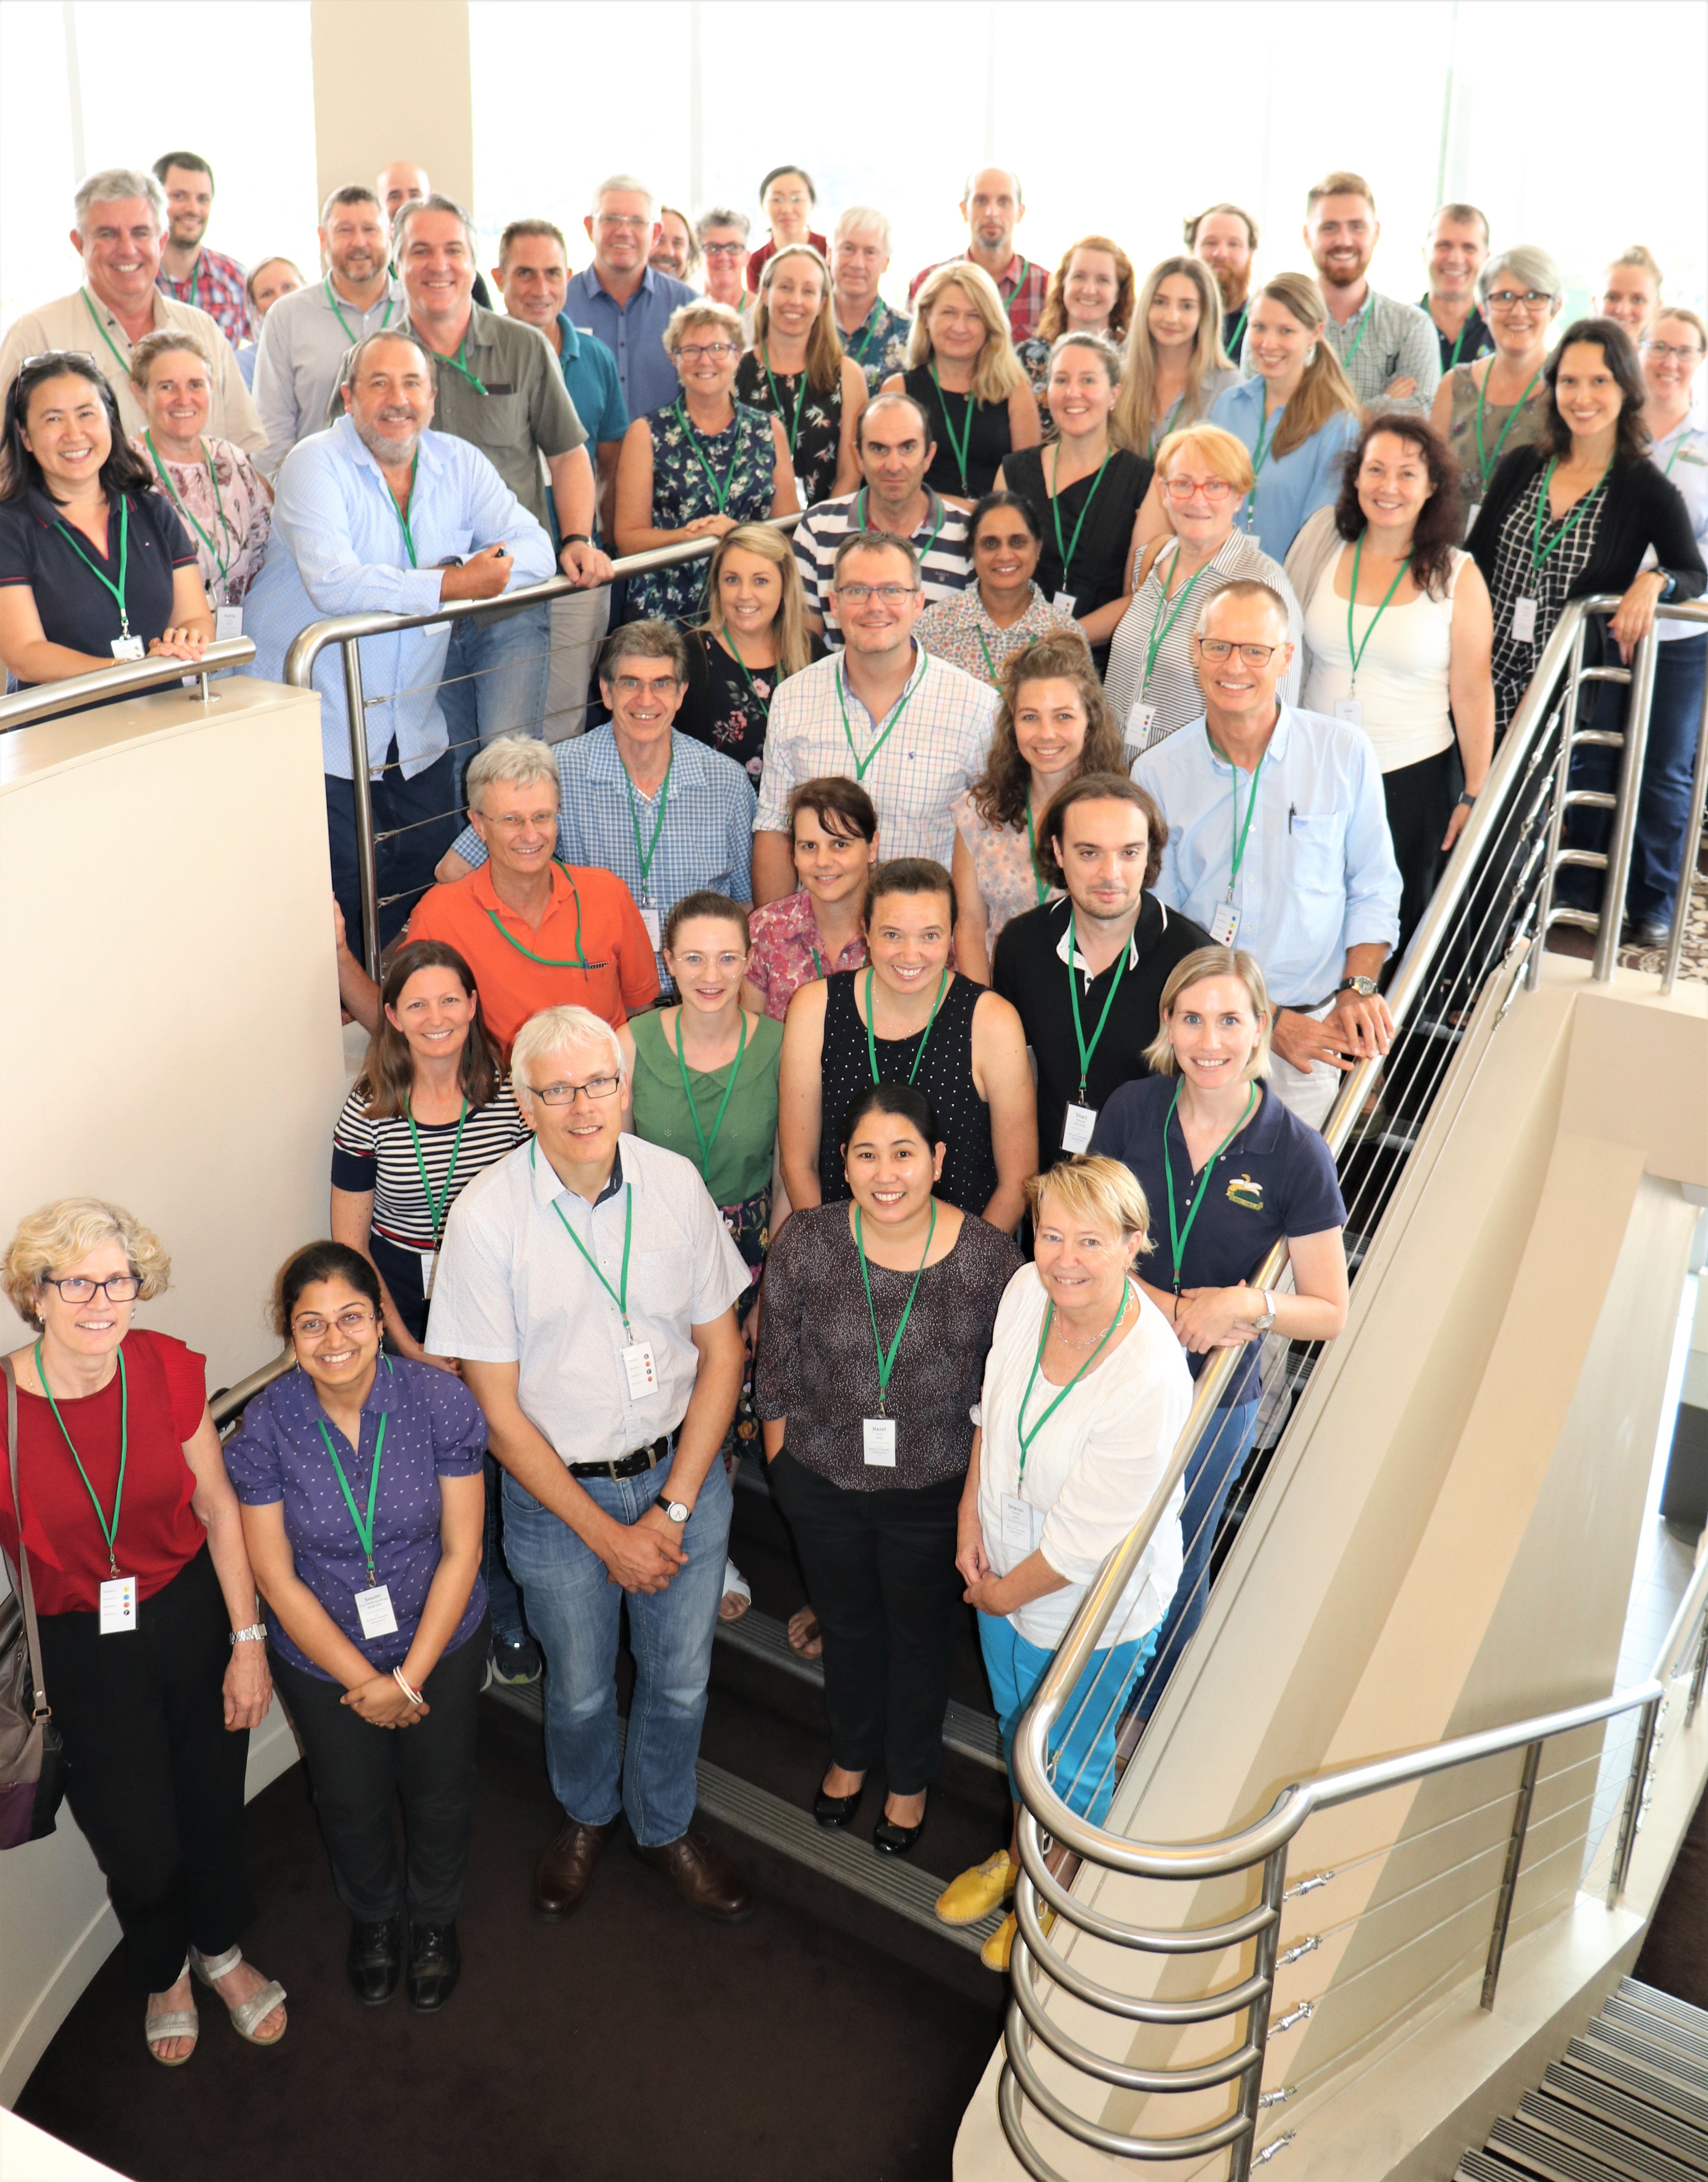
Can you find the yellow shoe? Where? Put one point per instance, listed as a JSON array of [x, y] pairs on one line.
[[977, 1892], [996, 1950]]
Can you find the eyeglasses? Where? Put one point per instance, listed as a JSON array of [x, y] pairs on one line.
[[724, 249], [1216, 649], [891, 594], [633, 685], [565, 1095], [635, 220], [787, 196], [1509, 299], [690, 352], [122, 1287], [1661, 349], [354, 1322], [1214, 490], [513, 821]]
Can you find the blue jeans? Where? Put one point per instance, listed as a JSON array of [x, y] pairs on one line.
[[502, 1597], [425, 809], [574, 1611], [1663, 795], [1083, 1745], [495, 681], [1213, 1471]]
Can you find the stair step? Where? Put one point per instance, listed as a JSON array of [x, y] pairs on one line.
[[1652, 2051], [1615, 2147], [1650, 2085], [1479, 2167], [1551, 2159], [1664, 2004], [1636, 2116], [1659, 2029], [891, 1882]]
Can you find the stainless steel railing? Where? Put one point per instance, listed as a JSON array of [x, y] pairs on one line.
[[124, 678]]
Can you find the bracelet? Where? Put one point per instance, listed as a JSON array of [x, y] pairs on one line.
[[414, 1697], [253, 1634]]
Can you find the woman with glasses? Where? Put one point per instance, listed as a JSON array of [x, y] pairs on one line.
[[1486, 409], [152, 1637], [796, 370], [963, 373], [786, 198], [1174, 367], [698, 466], [94, 564], [721, 233], [1203, 477], [1090, 292], [1001, 611], [754, 636], [363, 1507], [215, 487]]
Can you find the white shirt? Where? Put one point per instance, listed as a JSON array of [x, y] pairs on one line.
[[299, 355], [511, 1287], [1092, 1470], [1405, 662], [82, 321]]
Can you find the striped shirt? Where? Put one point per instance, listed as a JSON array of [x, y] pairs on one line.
[[379, 1155], [940, 542]]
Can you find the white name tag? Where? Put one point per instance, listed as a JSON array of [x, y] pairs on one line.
[[129, 647], [1224, 924], [1021, 1523], [642, 1373], [1524, 621], [228, 620], [430, 1261], [878, 1438], [649, 917], [1140, 719], [118, 1606], [1077, 1128], [373, 1611], [1350, 710], [1066, 601], [1471, 520]]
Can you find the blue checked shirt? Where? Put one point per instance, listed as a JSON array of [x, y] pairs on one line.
[[1318, 874], [337, 547], [706, 841]]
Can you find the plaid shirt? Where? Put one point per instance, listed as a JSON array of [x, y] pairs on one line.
[[784, 936], [216, 285], [1022, 287]]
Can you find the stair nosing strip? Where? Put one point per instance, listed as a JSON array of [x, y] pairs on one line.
[[1599, 2096], [1563, 2159], [1665, 2004], [1652, 2053], [1551, 2116]]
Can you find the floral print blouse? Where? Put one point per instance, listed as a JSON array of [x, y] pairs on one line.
[[787, 952], [742, 459], [1002, 865], [811, 422], [224, 509]]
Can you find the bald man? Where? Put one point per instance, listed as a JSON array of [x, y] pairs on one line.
[[404, 183], [993, 205]]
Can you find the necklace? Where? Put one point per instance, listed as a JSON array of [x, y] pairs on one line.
[[1090, 1342]]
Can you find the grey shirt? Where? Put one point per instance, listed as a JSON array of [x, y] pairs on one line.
[[1397, 341], [299, 359]]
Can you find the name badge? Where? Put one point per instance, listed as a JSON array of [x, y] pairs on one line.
[[1224, 924], [373, 1611], [879, 1441], [1350, 710], [118, 1606], [649, 917], [1471, 520], [1066, 601], [642, 1373], [1077, 1128], [1524, 621], [1140, 719], [228, 620], [430, 1261], [1021, 1525], [129, 647]]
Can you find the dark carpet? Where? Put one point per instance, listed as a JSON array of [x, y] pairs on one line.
[[1675, 1954]]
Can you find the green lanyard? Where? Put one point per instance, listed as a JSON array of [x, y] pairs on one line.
[[886, 1364], [1240, 832], [777, 404], [437, 1208], [1236, 333], [619, 1296], [720, 486], [1159, 636], [1178, 1235], [1027, 1437], [1684, 434], [643, 856], [1358, 338], [963, 447], [763, 703], [859, 355], [223, 565], [1485, 463], [818, 964], [1020, 284], [989, 663], [364, 1531], [871, 1038], [1087, 1052], [391, 305], [1043, 891], [196, 283], [862, 764], [706, 1142], [118, 588], [546, 962], [1066, 553], [1539, 553], [457, 364], [402, 519], [1160, 433], [1267, 429], [863, 497], [109, 1532], [1458, 343], [120, 360], [1358, 650]]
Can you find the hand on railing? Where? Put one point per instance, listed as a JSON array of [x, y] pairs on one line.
[[481, 576]]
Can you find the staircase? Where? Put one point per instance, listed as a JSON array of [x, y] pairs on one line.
[[1628, 2103]]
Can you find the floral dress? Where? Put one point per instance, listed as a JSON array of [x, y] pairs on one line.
[[224, 507], [742, 459], [1002, 866], [811, 421]]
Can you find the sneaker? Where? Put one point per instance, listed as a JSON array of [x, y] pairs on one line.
[[977, 1892], [516, 1663], [1648, 933]]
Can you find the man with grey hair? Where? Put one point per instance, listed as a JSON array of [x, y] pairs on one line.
[[721, 233], [588, 1287], [873, 335], [620, 295], [120, 216]]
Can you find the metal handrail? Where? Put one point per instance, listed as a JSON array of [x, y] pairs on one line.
[[124, 678], [228, 1403]]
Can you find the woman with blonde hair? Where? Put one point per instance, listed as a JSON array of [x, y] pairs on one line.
[[963, 373], [1297, 420], [1175, 367], [796, 370], [1090, 292], [754, 636]]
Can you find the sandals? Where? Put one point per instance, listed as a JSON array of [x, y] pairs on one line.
[[806, 1636], [171, 2023], [248, 2012]]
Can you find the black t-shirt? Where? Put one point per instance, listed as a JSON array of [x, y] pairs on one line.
[[1277, 1178], [1097, 569], [1029, 971], [726, 709], [75, 607]]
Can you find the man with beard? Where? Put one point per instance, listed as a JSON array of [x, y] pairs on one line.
[[1388, 349], [1226, 238], [189, 272], [993, 207]]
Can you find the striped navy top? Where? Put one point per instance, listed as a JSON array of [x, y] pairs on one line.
[[379, 1155]]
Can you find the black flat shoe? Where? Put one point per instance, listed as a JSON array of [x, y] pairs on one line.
[[374, 1961], [837, 1810], [435, 1963], [890, 1839]]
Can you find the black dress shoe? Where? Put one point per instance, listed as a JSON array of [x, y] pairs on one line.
[[374, 1961], [435, 1963], [890, 1839], [837, 1810]]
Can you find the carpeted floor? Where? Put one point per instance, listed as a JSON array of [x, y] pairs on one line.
[[1675, 1954]]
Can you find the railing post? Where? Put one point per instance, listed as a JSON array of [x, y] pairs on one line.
[[1556, 823], [367, 871], [1692, 840], [1257, 2020], [1642, 694], [1634, 1801], [1698, 1671], [1509, 1876]]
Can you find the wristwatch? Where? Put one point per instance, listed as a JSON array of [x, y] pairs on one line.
[[1467, 800], [253, 1634], [679, 1511], [1263, 1325], [1362, 986], [574, 538]]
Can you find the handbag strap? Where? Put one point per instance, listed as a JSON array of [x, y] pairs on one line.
[[20, 1575]]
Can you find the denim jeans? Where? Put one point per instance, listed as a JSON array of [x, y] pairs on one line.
[[423, 810], [1663, 795], [1211, 1473], [495, 681], [502, 1597], [575, 1610]]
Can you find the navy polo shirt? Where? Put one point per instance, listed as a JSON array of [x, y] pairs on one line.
[[1275, 1179], [75, 607]]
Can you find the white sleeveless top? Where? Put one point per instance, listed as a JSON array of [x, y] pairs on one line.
[[1402, 671]]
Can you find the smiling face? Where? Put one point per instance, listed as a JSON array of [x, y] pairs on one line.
[[1341, 234], [1631, 298], [274, 278], [96, 1327], [789, 206], [533, 281], [1200, 502], [1224, 243], [725, 254], [958, 333], [433, 1013], [66, 428], [1671, 357], [674, 248], [890, 1168], [1174, 312], [623, 231], [708, 960], [1239, 687], [1214, 1029], [706, 355], [643, 698], [356, 239], [1082, 1262], [1050, 724], [582, 1131], [750, 592], [1081, 394], [1455, 252], [1518, 316], [831, 866], [1585, 391], [1103, 850], [119, 244], [796, 293], [391, 401], [1089, 290], [178, 396], [1393, 481], [858, 262], [189, 196], [875, 626], [1278, 343], [519, 825], [908, 941], [1005, 553], [437, 266], [335, 1335]]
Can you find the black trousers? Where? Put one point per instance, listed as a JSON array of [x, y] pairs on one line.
[[356, 1772], [155, 1779], [880, 1572], [1419, 800]]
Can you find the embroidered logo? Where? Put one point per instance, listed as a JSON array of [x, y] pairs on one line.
[[1243, 1191]]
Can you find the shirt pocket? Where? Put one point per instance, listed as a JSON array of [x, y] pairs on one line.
[[1317, 851], [495, 420]]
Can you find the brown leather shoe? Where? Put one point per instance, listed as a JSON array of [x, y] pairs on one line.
[[565, 1870], [701, 1877]]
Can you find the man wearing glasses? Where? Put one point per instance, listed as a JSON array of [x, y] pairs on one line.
[[622, 299], [588, 1287], [1278, 842]]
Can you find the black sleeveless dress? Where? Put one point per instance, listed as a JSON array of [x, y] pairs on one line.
[[987, 448], [945, 1078]]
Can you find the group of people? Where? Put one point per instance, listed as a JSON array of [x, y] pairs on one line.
[[882, 1046]]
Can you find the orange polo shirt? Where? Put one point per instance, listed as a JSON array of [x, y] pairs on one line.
[[621, 973]]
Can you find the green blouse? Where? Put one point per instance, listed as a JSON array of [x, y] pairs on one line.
[[740, 1163]]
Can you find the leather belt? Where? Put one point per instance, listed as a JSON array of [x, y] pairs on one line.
[[630, 1465]]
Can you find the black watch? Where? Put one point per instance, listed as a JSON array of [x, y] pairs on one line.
[[575, 537], [1466, 800]]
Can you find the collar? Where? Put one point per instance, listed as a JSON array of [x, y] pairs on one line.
[[548, 1188], [481, 890], [1152, 926], [392, 292], [856, 332], [569, 336], [481, 331], [158, 301], [604, 760], [982, 612], [1279, 741], [430, 459], [596, 286], [1010, 271], [916, 675], [383, 1398]]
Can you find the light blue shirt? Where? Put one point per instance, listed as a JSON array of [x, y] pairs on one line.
[[337, 547], [1318, 874], [1293, 485], [634, 332]]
